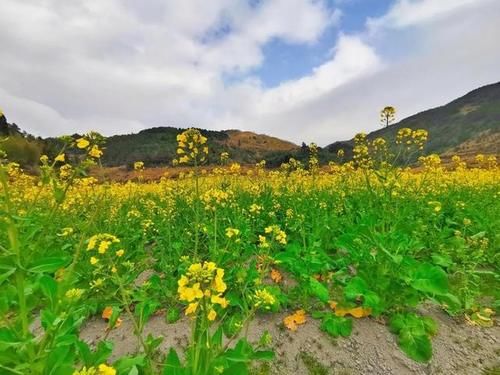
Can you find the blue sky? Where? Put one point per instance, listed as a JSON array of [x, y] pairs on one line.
[[303, 70], [285, 61]]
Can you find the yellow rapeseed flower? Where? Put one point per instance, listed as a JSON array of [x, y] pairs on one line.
[[60, 157], [82, 143], [74, 293], [212, 315], [95, 152], [192, 307], [106, 370]]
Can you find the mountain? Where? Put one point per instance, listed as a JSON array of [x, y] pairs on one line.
[[467, 125], [157, 146], [20, 147]]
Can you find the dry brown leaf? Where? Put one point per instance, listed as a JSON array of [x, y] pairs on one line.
[[293, 321], [276, 276], [107, 312], [356, 312]]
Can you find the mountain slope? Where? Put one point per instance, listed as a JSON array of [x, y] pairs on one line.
[[475, 117], [19, 146], [466, 126], [157, 146]]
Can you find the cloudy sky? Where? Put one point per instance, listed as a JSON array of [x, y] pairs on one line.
[[303, 70]]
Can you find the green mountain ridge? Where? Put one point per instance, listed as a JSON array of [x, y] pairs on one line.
[[469, 124], [473, 116]]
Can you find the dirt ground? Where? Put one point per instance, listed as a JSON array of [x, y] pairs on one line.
[[371, 349]]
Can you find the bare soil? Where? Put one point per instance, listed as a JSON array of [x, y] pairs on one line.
[[371, 349]]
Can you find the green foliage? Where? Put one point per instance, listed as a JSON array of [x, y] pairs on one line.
[[414, 334]]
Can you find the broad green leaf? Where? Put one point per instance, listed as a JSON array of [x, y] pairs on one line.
[[319, 290], [144, 310], [442, 260], [238, 368], [417, 347], [173, 364], [242, 352], [355, 288], [336, 325], [125, 364], [48, 264], [429, 279]]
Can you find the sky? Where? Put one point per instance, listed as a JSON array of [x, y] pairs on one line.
[[303, 70]]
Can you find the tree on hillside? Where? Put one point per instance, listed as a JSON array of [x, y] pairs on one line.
[[387, 116]]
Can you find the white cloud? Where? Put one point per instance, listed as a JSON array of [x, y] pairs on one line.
[[352, 59], [149, 64], [118, 66], [405, 13]]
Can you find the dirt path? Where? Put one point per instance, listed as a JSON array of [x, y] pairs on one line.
[[371, 349]]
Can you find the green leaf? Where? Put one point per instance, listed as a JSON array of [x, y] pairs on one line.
[[217, 339], [417, 347], [319, 290], [59, 357], [453, 304], [84, 352], [144, 310], [173, 315], [238, 368], [413, 332], [430, 325], [8, 338], [336, 325], [6, 273], [126, 364], [263, 355], [101, 354], [47, 317], [242, 352], [429, 279], [173, 364], [355, 288], [48, 264], [442, 260], [397, 323], [49, 288]]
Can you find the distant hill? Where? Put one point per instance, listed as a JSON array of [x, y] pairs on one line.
[[466, 126], [470, 124], [157, 146], [20, 147]]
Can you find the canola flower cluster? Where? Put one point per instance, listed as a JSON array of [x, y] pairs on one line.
[[104, 244], [191, 147], [264, 299], [254, 221], [275, 233], [408, 137], [102, 369], [202, 287]]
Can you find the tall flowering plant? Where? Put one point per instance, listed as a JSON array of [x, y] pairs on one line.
[[202, 289]]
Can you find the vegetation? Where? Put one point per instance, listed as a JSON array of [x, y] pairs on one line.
[[466, 126], [387, 116], [366, 238]]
